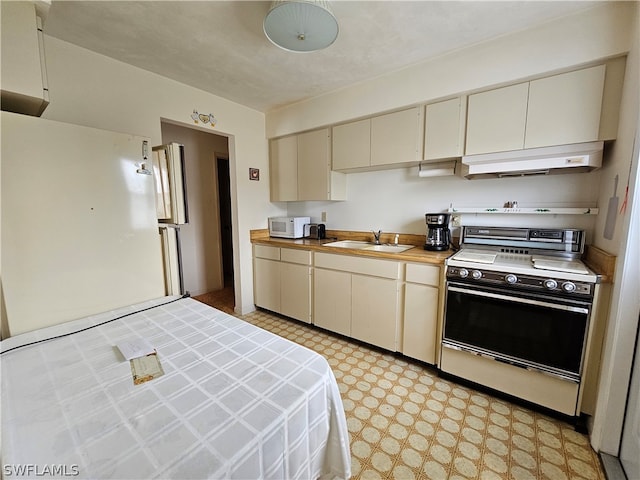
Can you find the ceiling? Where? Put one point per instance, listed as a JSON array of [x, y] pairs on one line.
[[220, 47]]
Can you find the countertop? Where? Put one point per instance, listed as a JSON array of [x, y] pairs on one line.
[[602, 263], [415, 254]]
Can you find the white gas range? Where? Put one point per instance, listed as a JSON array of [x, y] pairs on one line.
[[517, 313]]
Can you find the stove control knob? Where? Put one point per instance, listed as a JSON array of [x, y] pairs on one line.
[[550, 284], [569, 287], [463, 272], [476, 274], [511, 279]]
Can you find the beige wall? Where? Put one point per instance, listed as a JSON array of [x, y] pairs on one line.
[[90, 89], [200, 238]]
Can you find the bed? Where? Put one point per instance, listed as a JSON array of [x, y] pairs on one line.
[[235, 401]]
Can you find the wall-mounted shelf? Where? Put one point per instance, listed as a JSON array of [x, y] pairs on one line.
[[523, 210]]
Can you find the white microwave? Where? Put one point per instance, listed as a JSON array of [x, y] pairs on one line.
[[287, 227]]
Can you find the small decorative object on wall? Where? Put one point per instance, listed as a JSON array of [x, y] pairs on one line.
[[254, 174], [204, 118]]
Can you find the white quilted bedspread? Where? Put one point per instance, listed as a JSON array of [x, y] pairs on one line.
[[235, 401]]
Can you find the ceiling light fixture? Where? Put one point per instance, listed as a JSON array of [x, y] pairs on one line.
[[301, 25]]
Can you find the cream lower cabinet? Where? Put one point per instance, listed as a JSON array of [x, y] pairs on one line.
[[358, 297], [374, 310], [282, 281], [332, 300], [421, 309]]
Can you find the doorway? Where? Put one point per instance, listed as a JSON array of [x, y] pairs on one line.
[[226, 227], [206, 241]]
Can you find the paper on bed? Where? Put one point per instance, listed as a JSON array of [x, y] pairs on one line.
[[145, 368], [135, 348]]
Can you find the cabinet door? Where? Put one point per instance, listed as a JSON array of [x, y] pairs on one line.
[[420, 322], [374, 317], [295, 291], [444, 129], [396, 137], [314, 165], [23, 67], [283, 158], [332, 300], [496, 120], [266, 286], [565, 108], [351, 145]]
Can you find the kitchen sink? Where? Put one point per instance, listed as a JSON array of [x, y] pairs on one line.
[[349, 244], [391, 248], [359, 245]]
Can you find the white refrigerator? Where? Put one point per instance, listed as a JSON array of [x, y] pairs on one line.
[[79, 231], [172, 210]]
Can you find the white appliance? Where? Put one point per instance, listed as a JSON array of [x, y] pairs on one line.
[[172, 259], [79, 229], [517, 318], [574, 158], [287, 227], [171, 188], [171, 209]]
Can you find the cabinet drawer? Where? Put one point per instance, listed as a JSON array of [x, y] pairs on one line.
[[292, 255], [266, 251], [425, 274], [365, 266]]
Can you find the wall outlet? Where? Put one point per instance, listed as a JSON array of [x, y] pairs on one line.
[[324, 217], [455, 220]]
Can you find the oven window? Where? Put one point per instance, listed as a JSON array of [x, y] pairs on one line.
[[534, 333]]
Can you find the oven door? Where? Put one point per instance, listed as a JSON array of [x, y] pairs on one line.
[[536, 332]]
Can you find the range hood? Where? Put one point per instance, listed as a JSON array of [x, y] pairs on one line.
[[574, 158]]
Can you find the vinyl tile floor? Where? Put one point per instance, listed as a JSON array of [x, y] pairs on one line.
[[405, 422]]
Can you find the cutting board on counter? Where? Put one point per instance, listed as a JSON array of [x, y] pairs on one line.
[[569, 266]]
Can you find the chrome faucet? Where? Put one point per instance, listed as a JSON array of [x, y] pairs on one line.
[[376, 236]]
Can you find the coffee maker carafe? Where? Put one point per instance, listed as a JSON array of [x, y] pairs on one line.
[[438, 233]]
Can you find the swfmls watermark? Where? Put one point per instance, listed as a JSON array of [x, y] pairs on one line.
[[34, 470]]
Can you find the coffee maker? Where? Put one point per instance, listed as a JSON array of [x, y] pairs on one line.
[[438, 233]]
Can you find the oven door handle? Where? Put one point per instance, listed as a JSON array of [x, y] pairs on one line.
[[555, 306]]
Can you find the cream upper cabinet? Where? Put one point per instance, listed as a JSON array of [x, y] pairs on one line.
[[351, 145], [496, 120], [389, 140], [300, 168], [556, 110], [283, 157], [565, 108], [444, 129], [24, 78], [421, 307], [396, 138]]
